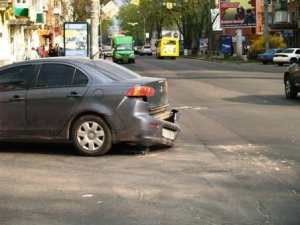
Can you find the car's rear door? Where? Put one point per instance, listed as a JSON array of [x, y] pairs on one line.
[[51, 102], [13, 90]]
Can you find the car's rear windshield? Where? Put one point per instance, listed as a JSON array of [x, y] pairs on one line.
[[113, 71]]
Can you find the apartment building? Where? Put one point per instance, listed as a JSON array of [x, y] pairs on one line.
[[283, 19], [26, 24]]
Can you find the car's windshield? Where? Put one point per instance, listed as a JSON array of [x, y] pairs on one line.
[[124, 47]]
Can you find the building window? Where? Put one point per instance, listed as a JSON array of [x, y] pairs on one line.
[[21, 1]]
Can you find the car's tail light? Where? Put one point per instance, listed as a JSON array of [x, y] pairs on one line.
[[140, 91]]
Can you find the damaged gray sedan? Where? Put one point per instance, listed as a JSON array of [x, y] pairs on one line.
[[93, 103]]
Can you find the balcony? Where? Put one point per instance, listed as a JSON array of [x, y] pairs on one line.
[[281, 6], [281, 17], [57, 11]]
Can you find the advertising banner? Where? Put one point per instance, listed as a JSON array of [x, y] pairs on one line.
[[215, 19], [76, 39], [226, 45], [238, 13]]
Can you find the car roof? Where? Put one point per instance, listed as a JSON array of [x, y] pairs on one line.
[[75, 60], [109, 69]]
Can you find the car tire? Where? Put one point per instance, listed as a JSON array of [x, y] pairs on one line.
[[289, 88], [293, 60], [91, 136], [265, 63]]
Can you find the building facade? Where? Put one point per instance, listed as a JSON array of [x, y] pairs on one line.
[[27, 24], [283, 19]]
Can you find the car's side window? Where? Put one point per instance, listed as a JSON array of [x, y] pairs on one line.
[[80, 78], [298, 52], [15, 78], [55, 75]]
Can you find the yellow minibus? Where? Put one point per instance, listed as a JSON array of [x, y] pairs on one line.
[[167, 47]]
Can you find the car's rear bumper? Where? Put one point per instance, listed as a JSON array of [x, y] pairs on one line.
[[133, 123]]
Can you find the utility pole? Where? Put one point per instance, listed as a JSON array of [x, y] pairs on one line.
[[266, 25], [95, 6]]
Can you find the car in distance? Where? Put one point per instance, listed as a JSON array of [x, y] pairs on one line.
[[288, 55], [145, 50], [106, 52], [292, 81], [93, 103], [267, 56]]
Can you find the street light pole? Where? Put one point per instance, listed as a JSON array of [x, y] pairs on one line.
[[266, 25], [94, 27], [144, 30]]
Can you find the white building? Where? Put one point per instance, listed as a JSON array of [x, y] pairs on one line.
[[27, 23]]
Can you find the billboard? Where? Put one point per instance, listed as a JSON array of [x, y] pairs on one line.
[[76, 39], [226, 45], [238, 13]]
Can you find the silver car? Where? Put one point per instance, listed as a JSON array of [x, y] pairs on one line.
[[93, 103], [145, 50]]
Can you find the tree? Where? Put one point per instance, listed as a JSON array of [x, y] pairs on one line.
[[258, 43], [190, 17], [79, 11]]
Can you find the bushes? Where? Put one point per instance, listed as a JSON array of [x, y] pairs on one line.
[[258, 44]]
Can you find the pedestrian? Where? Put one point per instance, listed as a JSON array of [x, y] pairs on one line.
[[26, 55], [52, 52], [33, 54], [43, 51]]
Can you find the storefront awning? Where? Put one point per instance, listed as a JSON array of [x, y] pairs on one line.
[[43, 32]]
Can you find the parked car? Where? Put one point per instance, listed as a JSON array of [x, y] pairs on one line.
[[145, 50], [292, 80], [93, 103], [136, 49], [267, 56], [288, 55], [106, 52]]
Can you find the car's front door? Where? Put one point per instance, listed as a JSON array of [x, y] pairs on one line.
[[13, 90], [58, 91]]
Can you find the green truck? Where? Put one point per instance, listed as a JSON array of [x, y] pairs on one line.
[[123, 49]]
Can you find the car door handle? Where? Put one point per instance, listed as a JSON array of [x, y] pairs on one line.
[[17, 98], [74, 94]]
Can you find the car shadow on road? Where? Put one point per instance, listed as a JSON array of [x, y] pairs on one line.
[[279, 100], [69, 150]]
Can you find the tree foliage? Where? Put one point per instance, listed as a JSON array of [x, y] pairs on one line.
[[190, 17], [80, 11], [275, 41]]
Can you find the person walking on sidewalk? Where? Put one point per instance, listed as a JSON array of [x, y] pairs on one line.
[[33, 54]]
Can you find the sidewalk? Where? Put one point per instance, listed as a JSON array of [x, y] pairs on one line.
[[221, 59]]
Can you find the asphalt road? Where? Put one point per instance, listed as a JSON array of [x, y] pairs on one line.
[[236, 161]]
